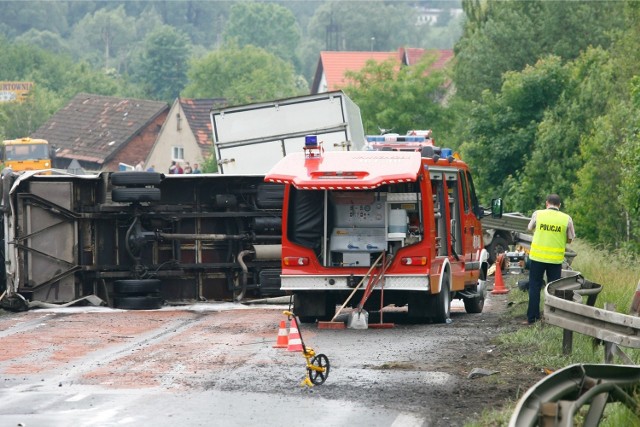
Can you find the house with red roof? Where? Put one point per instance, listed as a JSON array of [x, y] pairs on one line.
[[332, 66], [186, 134]]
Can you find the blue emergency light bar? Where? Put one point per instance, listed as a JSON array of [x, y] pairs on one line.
[[311, 141], [396, 138]]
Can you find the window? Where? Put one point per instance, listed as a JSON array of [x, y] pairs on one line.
[[465, 192], [177, 153]]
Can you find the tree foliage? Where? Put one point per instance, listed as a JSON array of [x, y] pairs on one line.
[[265, 25], [399, 99], [506, 36], [57, 78], [501, 129], [108, 35], [241, 75], [163, 64]]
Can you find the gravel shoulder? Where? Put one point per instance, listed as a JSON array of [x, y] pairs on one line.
[[420, 370]]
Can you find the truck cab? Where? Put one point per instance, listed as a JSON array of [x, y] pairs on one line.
[[411, 217]]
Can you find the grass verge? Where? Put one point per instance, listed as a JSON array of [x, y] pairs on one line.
[[540, 347]]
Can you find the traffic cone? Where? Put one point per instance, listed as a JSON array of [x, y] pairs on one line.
[[283, 339], [498, 284], [295, 342]]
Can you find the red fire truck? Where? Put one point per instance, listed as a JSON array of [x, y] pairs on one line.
[[410, 218]]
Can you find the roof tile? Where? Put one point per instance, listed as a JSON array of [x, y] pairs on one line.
[[95, 127]]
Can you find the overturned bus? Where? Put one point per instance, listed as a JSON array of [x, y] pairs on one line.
[[139, 239]]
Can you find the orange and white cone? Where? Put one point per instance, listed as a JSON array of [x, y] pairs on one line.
[[499, 287], [283, 338], [295, 342]]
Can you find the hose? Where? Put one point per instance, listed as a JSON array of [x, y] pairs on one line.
[[245, 272]]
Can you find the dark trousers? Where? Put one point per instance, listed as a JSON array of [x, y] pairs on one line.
[[536, 281]]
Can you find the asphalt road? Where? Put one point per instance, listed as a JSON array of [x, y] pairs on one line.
[[215, 365]]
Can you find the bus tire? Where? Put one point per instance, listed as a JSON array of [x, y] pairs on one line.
[[132, 287], [136, 178], [135, 194], [138, 302]]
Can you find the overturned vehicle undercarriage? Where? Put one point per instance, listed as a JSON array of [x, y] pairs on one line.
[[139, 239]]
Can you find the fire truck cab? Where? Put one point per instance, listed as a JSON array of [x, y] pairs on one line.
[[410, 216]]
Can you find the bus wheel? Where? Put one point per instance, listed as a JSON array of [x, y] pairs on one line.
[[135, 194], [136, 287], [136, 178], [137, 302]]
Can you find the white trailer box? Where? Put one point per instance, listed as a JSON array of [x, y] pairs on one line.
[[250, 139]]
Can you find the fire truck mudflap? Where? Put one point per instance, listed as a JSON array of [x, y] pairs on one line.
[[342, 210]]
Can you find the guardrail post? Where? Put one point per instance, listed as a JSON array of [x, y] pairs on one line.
[[635, 303], [609, 347], [567, 334]]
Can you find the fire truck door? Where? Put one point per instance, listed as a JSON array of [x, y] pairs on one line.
[[471, 229], [454, 195], [440, 214]]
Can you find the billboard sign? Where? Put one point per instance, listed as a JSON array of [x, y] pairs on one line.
[[14, 91]]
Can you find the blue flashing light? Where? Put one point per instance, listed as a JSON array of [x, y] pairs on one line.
[[311, 140], [446, 152]]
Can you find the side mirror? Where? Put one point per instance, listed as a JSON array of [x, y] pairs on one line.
[[496, 208]]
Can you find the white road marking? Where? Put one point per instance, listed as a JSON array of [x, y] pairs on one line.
[[409, 420]]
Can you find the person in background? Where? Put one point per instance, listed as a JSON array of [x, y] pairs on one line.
[[179, 169], [140, 166], [187, 168], [196, 168], [552, 230], [173, 169], [151, 168]]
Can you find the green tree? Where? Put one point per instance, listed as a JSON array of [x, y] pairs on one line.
[[56, 78], [265, 25], [241, 75], [47, 40], [500, 131], [106, 38], [404, 99], [500, 39], [21, 119], [503, 36], [162, 68], [18, 17], [555, 155]]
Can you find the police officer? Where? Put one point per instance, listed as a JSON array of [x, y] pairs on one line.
[[552, 230]]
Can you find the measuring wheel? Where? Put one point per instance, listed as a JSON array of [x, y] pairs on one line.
[[319, 376]]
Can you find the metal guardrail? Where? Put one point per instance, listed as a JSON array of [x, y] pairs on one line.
[[563, 308], [555, 400]]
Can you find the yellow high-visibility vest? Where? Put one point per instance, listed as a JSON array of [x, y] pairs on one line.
[[549, 236]]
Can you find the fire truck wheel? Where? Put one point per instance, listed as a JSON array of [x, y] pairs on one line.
[[441, 307], [138, 302], [317, 377], [135, 194], [136, 287], [136, 178], [474, 305]]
